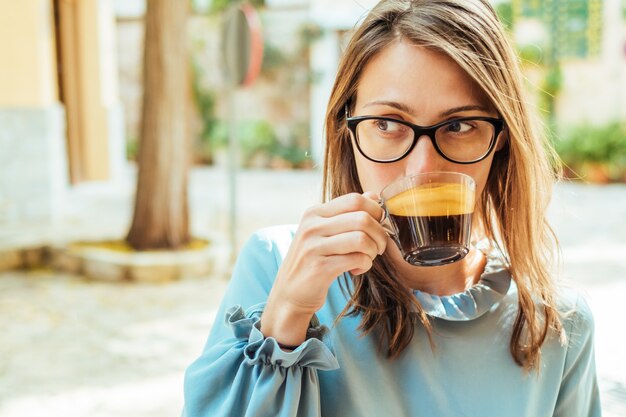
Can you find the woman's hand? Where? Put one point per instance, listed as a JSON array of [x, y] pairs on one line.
[[341, 235]]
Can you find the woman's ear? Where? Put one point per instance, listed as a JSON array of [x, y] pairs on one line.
[[503, 139]]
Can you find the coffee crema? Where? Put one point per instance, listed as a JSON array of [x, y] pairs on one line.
[[433, 199]]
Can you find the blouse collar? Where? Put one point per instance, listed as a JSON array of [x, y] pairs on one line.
[[472, 303]]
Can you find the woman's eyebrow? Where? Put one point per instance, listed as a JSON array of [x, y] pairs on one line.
[[464, 108], [396, 105], [409, 110]]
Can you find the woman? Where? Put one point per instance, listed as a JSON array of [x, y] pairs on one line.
[[327, 319]]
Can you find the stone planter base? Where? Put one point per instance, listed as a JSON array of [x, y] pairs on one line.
[[100, 263], [154, 266], [28, 257]]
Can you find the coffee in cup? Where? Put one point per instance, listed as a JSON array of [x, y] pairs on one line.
[[429, 216]]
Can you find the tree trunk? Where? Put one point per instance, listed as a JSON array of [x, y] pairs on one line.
[[161, 216]]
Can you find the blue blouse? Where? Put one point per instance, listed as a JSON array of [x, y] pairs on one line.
[[337, 372]]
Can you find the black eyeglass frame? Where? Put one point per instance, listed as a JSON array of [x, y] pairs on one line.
[[419, 131]]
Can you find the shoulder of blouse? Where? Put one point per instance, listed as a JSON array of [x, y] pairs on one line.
[[575, 310], [275, 239], [578, 324]]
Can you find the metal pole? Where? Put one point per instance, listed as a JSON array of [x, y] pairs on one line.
[[232, 171], [242, 52]]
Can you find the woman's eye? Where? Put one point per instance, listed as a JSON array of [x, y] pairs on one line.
[[387, 126], [459, 127], [381, 124]]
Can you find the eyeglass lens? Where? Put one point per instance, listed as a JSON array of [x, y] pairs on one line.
[[459, 140]]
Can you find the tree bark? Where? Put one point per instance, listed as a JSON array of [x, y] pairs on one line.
[[161, 215]]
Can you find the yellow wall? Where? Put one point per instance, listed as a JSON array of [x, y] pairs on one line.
[[89, 80], [27, 54], [93, 87], [28, 72]]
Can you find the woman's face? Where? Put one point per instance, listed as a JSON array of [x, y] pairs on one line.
[[414, 84]]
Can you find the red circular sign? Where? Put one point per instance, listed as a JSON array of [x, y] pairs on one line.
[[242, 46]]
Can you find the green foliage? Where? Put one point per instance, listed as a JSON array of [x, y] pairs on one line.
[[258, 143], [309, 33], [132, 148], [295, 151], [293, 154], [550, 89], [257, 140], [205, 102], [221, 5], [604, 145], [273, 60], [505, 13], [531, 54], [253, 137], [256, 137], [554, 80]]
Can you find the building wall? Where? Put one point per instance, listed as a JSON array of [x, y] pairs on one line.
[[35, 145], [33, 164], [28, 71]]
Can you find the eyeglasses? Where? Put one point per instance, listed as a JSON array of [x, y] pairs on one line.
[[465, 140]]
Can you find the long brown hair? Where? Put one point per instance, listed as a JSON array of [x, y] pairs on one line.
[[512, 208]]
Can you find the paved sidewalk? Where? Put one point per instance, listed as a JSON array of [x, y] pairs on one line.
[[71, 347]]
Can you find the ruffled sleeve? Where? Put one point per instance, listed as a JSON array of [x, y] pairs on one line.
[[243, 373], [261, 350]]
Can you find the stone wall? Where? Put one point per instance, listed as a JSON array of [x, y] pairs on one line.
[[33, 164]]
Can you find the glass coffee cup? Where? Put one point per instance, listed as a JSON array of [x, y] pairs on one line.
[[429, 216]]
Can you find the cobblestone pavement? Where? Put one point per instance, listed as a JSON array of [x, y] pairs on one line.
[[76, 348]]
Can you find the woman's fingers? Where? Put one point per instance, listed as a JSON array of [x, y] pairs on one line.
[[350, 212], [350, 203], [352, 251], [349, 242], [354, 222], [339, 236], [355, 263]]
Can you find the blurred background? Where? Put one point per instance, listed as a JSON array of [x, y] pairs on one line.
[[114, 256]]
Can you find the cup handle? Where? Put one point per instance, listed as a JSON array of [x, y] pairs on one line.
[[384, 221]]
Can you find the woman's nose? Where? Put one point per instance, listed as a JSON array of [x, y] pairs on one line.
[[423, 158]]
